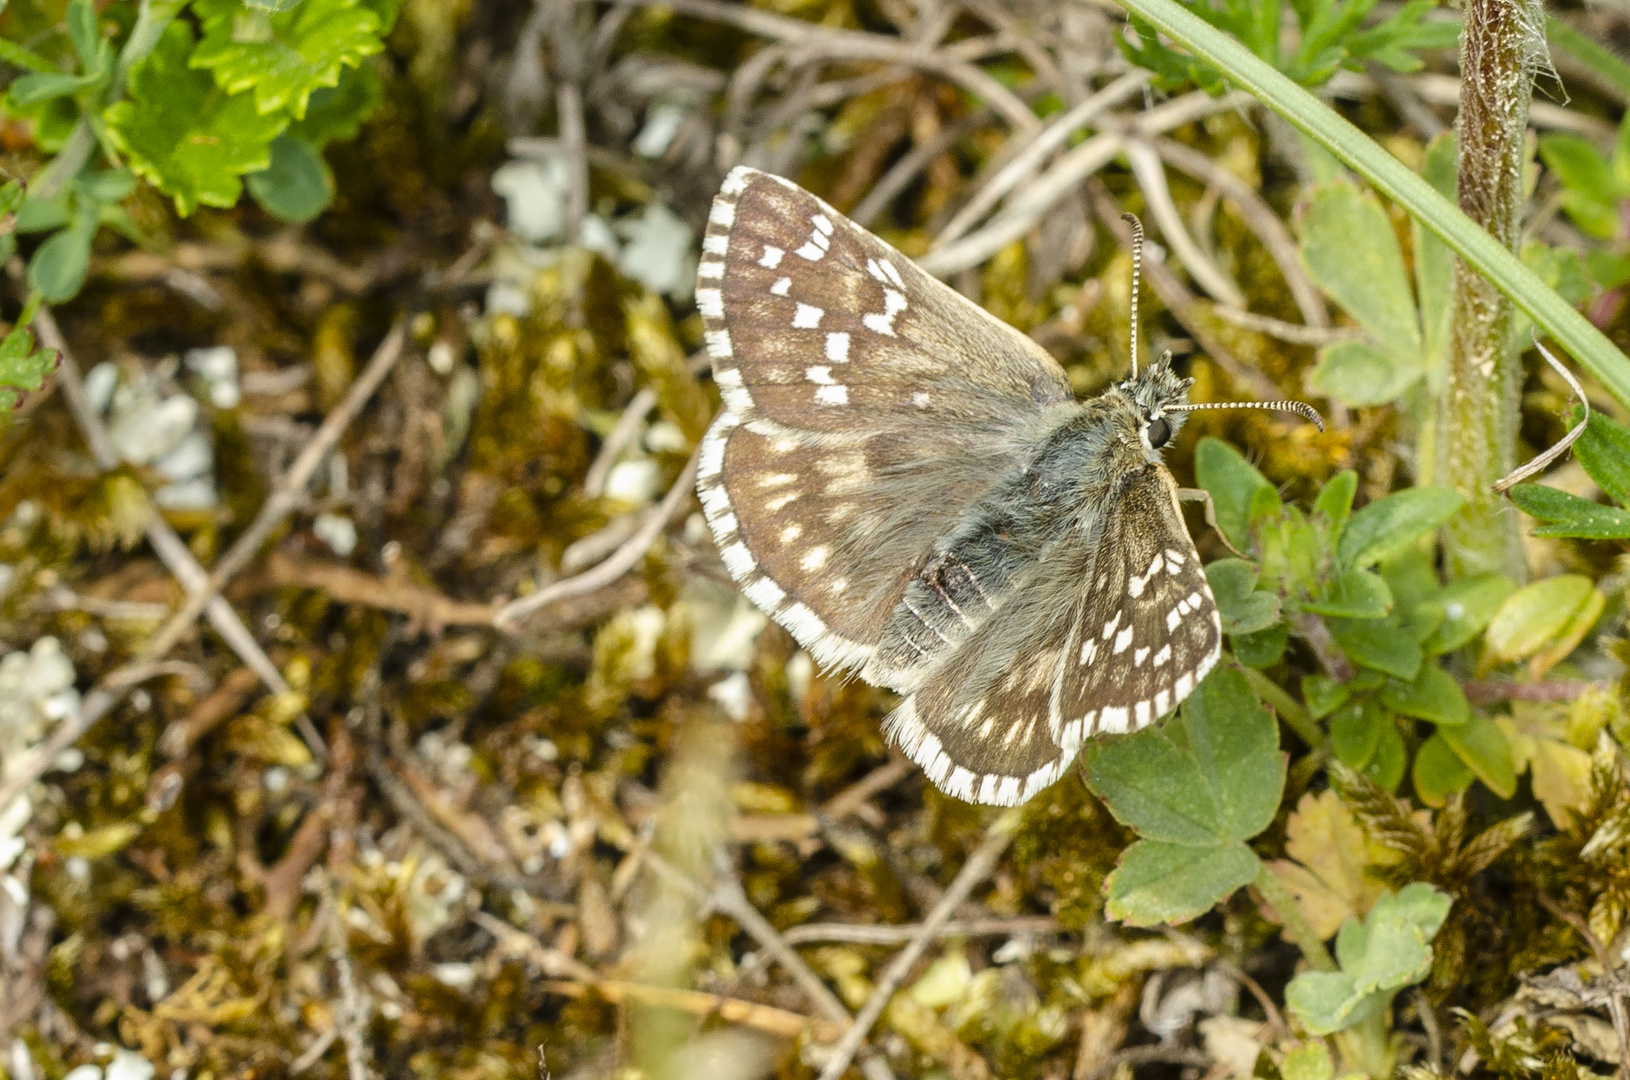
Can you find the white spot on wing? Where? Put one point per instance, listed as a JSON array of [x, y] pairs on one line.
[[710, 302], [810, 252], [715, 245], [1122, 640], [781, 286], [814, 558], [807, 317], [821, 375], [772, 257], [791, 533], [718, 347], [736, 182], [723, 213], [833, 395], [765, 593], [710, 268], [738, 560], [837, 347], [823, 223]]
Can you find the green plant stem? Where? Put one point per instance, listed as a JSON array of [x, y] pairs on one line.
[[1296, 927], [1287, 708], [1480, 410], [1367, 1045], [1398, 182]]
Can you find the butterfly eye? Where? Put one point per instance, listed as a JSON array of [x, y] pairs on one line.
[[1159, 432]]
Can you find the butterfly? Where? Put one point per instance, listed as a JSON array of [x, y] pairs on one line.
[[909, 486]]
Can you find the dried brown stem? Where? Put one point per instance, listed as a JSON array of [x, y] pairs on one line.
[[858, 934], [1486, 690], [975, 870], [613, 568]]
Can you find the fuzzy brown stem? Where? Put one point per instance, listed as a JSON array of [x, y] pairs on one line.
[[1502, 45]]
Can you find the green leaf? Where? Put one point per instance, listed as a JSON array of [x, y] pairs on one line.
[[1535, 615], [1467, 607], [84, 30], [1391, 758], [1244, 610], [1359, 374], [1351, 251], [1389, 950], [22, 367], [271, 6], [45, 85], [1335, 501], [1233, 483], [1434, 262], [1590, 190], [42, 215], [1388, 526], [297, 185], [1167, 883], [1434, 696], [183, 134], [1332, 131], [1604, 451], [1378, 644], [1310, 1061], [284, 56], [1353, 594], [337, 112], [1222, 785], [1482, 746], [1263, 648], [1438, 772], [58, 266], [27, 59], [106, 185], [1355, 732], [1569, 515], [1323, 695]]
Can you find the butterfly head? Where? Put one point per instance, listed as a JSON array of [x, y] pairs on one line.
[[1157, 395]]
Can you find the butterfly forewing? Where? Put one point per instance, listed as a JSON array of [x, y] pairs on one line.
[[867, 406]]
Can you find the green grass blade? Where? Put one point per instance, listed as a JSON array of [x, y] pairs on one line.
[[1603, 62], [1398, 182]]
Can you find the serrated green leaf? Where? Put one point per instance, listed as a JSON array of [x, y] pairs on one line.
[[337, 112], [1388, 526], [1569, 515], [1217, 788], [297, 185], [1359, 374], [1233, 483], [1378, 644], [284, 56], [1352, 594], [1467, 607], [1434, 696], [1604, 451], [1168, 883], [1244, 610], [1482, 746], [1351, 251], [22, 367], [186, 136], [1388, 950], [1438, 772]]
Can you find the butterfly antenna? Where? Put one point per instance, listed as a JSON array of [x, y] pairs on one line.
[[1300, 408], [1137, 272]]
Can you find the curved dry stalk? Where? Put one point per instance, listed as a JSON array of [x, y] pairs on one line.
[[1540, 462], [904, 171], [619, 438], [1151, 177], [1294, 333], [1031, 202], [620, 563], [975, 870], [858, 45], [1040, 60], [1260, 218], [1025, 162]]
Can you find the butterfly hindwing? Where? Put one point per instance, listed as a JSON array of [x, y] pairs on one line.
[[1149, 627], [1004, 716]]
